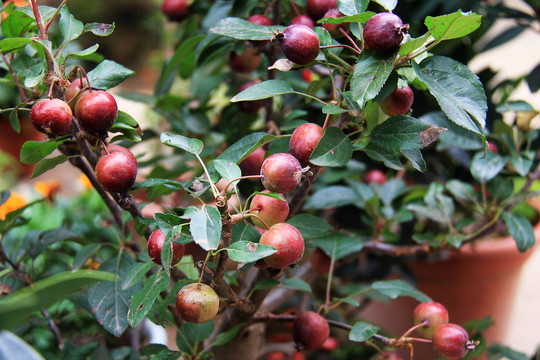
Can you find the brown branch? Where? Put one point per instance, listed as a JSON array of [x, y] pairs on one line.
[[54, 329], [39, 20]]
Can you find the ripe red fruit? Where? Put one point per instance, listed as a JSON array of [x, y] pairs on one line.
[[388, 355], [303, 140], [303, 20], [330, 344], [492, 147], [434, 313], [333, 29], [299, 43], [245, 62], [260, 20], [117, 171], [52, 116], [281, 173], [175, 10], [375, 176], [288, 242], [451, 341], [197, 303], [250, 106], [310, 330], [251, 165], [398, 102], [270, 210], [155, 246], [384, 32], [96, 111], [317, 8], [75, 91], [320, 261]]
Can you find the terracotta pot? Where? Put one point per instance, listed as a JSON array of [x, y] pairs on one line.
[[478, 281]]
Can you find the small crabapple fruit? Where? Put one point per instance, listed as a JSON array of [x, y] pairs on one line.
[[52, 116], [303, 140], [310, 330], [434, 313], [269, 209], [288, 242], [384, 32], [117, 171], [197, 303], [451, 341], [316, 8], [155, 247], [299, 43], [281, 173], [96, 111], [375, 176], [398, 102]]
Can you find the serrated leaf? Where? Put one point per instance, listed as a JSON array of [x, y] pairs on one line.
[[48, 164], [159, 352], [142, 301], [70, 28], [193, 146], [297, 284], [246, 251], [370, 73], [521, 230], [457, 89], [362, 331], [99, 29], [401, 132], [34, 151], [264, 90], [397, 288], [205, 227], [454, 25], [352, 7], [109, 300], [331, 196], [485, 167], [356, 18], [333, 149], [11, 344], [173, 184], [244, 232], [415, 158], [108, 74], [244, 30], [16, 307]]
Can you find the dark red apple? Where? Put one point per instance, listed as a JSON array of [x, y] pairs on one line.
[[116, 172], [281, 173], [310, 330], [260, 19], [246, 61], [384, 32], [320, 261], [251, 165], [52, 116], [451, 341], [398, 102], [155, 246], [197, 303], [434, 313], [299, 43], [96, 111], [317, 8], [303, 140], [333, 29], [269, 209], [175, 10], [288, 242], [75, 91], [303, 20]]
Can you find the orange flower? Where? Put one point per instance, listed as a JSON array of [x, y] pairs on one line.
[[85, 182], [15, 201], [47, 188]]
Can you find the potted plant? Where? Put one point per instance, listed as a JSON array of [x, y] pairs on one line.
[[246, 205]]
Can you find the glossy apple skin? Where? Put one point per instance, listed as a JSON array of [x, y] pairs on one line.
[[175, 10], [299, 43], [388, 355], [75, 91], [434, 313], [303, 140], [399, 102], [375, 176], [251, 165], [310, 330], [197, 303], [52, 116], [316, 8], [271, 210], [281, 173], [288, 242], [333, 29], [450, 341], [116, 172], [96, 111], [384, 32], [155, 246], [303, 20], [245, 62]]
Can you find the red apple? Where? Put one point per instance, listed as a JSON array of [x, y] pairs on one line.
[[116, 172], [398, 102], [434, 313], [197, 303], [155, 247], [175, 10], [269, 209], [451, 341], [75, 91], [281, 173], [310, 330], [303, 140], [251, 165], [96, 111], [52, 116], [288, 242]]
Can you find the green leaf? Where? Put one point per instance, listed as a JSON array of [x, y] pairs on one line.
[[461, 190], [38, 241], [34, 151], [522, 162], [387, 4], [455, 136], [397, 288], [412, 44], [189, 335], [344, 244], [136, 274], [99, 29], [17, 307], [246, 251], [331, 196], [15, 24], [485, 167], [173, 184], [142, 301], [110, 300], [333, 149], [244, 232], [108, 74], [297, 284], [497, 351], [10, 44], [362, 331], [521, 230], [244, 30], [266, 284], [70, 28], [48, 164], [11, 344], [14, 121], [415, 158], [85, 253], [453, 26], [83, 53], [264, 90], [352, 7], [457, 89], [228, 170], [333, 110], [225, 337], [205, 227], [159, 352], [193, 146], [370, 73], [310, 225], [401, 132], [245, 146]]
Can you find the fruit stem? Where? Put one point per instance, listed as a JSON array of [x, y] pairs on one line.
[[423, 323], [202, 270], [351, 40], [326, 121], [329, 281], [224, 191], [257, 217], [215, 190], [342, 45]]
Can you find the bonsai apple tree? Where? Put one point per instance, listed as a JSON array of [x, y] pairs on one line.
[[285, 147]]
